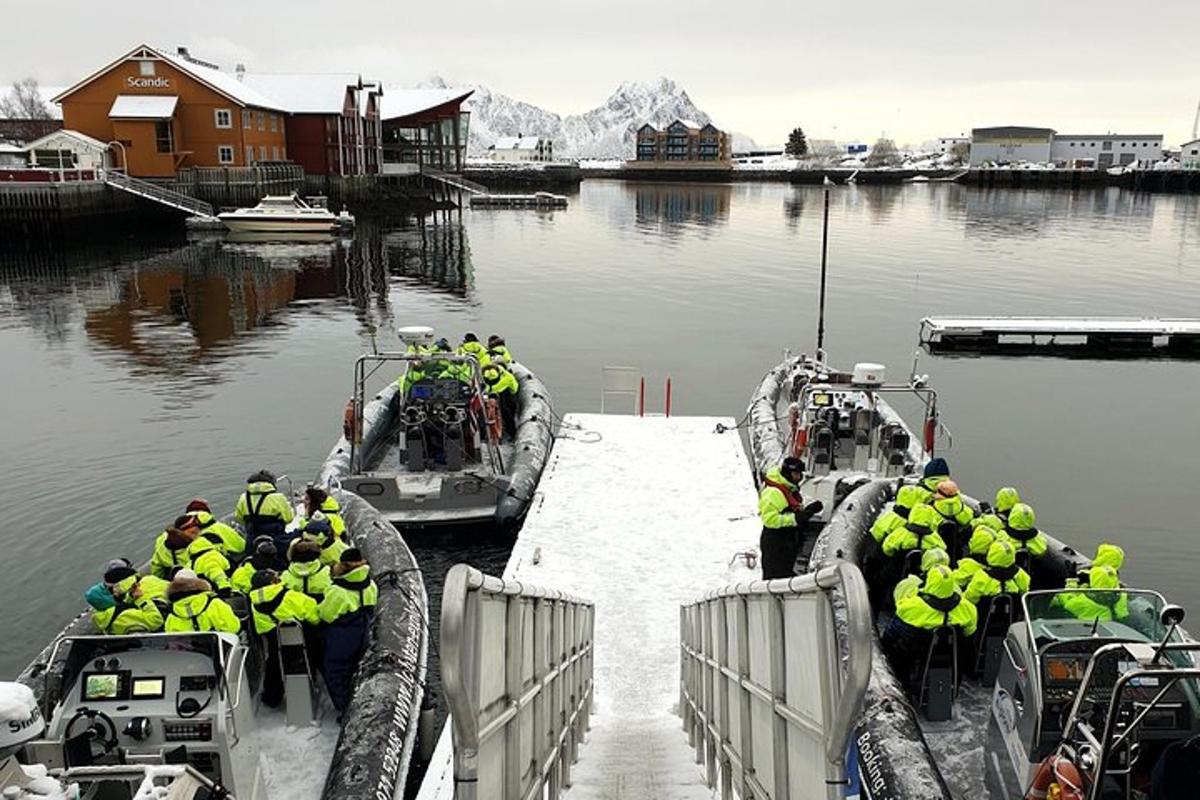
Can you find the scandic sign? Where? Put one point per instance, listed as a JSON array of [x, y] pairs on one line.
[[148, 83]]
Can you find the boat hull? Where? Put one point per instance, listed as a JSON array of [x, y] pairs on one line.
[[265, 224]]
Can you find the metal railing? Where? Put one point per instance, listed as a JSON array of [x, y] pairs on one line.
[[517, 673], [767, 703], [159, 194], [457, 181]]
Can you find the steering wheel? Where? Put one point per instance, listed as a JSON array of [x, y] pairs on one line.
[[99, 724]]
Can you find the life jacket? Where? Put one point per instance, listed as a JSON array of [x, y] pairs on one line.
[[268, 607], [359, 586], [259, 524], [193, 619], [901, 511], [1002, 574], [920, 531], [789, 494]]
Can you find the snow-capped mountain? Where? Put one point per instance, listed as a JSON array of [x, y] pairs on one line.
[[607, 131]]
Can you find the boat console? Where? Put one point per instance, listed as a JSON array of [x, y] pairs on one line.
[[1109, 692], [153, 699]]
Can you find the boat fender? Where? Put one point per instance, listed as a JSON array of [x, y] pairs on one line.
[[1056, 778], [427, 730], [930, 432], [348, 419]]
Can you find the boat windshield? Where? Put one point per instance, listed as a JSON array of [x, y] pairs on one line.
[[280, 202], [1127, 614]]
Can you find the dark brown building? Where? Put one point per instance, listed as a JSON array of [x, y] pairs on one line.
[[683, 143]]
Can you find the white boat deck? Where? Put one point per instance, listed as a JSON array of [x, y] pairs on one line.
[[639, 515]]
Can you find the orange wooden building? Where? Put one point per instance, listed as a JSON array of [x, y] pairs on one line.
[[166, 111]]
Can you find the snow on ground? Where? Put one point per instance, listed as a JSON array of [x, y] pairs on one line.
[[641, 522], [601, 163], [296, 761], [957, 744]]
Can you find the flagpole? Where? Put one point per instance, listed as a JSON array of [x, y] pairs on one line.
[[824, 265]]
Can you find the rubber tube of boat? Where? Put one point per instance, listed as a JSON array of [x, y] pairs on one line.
[[427, 731]]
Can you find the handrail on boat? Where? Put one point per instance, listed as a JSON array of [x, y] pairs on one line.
[[516, 667], [781, 629]]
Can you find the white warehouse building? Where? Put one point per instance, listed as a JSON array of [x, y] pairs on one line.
[[522, 149], [1189, 155], [1088, 151]]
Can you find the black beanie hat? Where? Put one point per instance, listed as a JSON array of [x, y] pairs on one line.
[[115, 575]]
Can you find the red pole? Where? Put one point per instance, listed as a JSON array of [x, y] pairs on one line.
[[668, 402], [642, 398]]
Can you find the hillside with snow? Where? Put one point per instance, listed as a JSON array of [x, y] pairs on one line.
[[607, 131]]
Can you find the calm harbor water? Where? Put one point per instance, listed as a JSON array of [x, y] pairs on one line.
[[141, 373]]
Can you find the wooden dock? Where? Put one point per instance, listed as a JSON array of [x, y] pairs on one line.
[[1084, 337], [535, 200]]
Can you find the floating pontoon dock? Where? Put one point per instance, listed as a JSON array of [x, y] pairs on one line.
[[535, 200], [631, 561], [1091, 337]]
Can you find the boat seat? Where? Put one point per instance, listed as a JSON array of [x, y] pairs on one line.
[[996, 615], [110, 789], [299, 689], [939, 678]]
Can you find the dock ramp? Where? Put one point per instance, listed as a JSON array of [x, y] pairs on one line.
[[635, 519], [160, 194]]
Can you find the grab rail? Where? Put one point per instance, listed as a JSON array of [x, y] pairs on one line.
[[764, 657], [517, 673]]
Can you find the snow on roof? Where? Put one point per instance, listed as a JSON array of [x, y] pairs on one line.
[[143, 106], [223, 83], [405, 102], [691, 123], [305, 93], [518, 142], [82, 139], [11, 148]]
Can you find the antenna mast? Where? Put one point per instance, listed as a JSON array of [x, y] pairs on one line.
[[1196, 123]]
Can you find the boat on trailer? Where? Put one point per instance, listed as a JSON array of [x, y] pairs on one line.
[[162, 707], [1049, 696], [434, 453]]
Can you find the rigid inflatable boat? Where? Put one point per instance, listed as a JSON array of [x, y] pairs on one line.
[[1050, 712], [434, 452], [190, 700]]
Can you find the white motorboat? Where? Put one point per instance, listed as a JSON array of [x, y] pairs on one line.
[[284, 214]]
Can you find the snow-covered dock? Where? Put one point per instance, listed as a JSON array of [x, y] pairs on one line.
[[639, 515], [1119, 336]]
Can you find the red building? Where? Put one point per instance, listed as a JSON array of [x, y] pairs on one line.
[[333, 124]]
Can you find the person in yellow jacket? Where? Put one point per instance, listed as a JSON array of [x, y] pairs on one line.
[[919, 533], [896, 514], [318, 530], [263, 510], [171, 551], [231, 541], [1107, 555], [1021, 530], [1103, 599], [498, 350], [784, 517], [1006, 498], [205, 557], [471, 346], [938, 604], [195, 607], [981, 539], [306, 573], [127, 584], [911, 584], [1000, 575], [954, 524], [318, 499], [121, 617], [346, 613], [264, 557], [502, 384], [272, 603], [936, 470]]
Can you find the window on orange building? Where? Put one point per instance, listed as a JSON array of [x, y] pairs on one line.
[[274, 153], [223, 118], [146, 69], [262, 122], [247, 118], [164, 142], [249, 154], [225, 154], [274, 124], [262, 152]]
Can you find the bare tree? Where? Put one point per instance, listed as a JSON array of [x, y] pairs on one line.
[[24, 101], [883, 154]]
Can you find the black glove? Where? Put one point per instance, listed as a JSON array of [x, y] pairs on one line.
[[807, 513]]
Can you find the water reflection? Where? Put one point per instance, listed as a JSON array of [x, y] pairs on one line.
[[671, 208], [1026, 213]]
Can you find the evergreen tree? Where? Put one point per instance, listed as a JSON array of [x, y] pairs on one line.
[[797, 144]]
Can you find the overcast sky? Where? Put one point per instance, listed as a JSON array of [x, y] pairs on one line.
[[844, 70]]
